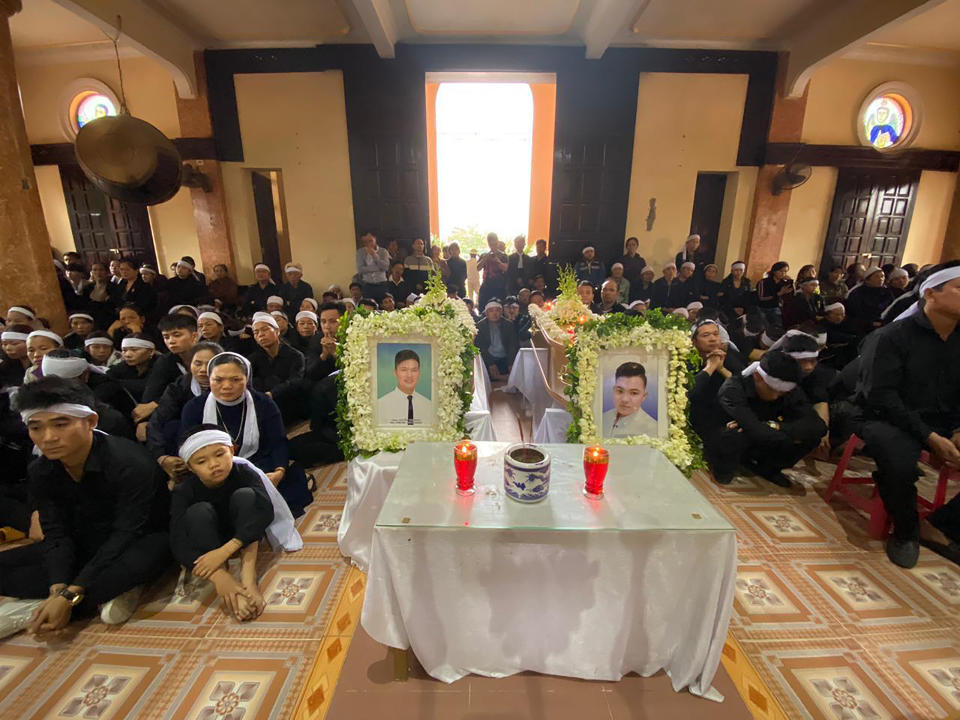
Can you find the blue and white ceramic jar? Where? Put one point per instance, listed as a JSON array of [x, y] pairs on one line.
[[526, 473]]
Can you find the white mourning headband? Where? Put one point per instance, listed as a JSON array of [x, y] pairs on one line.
[[267, 318], [71, 316], [203, 439], [777, 384], [143, 343], [98, 341], [13, 335], [71, 409], [49, 334], [275, 299], [307, 315], [22, 310], [65, 367], [210, 316]]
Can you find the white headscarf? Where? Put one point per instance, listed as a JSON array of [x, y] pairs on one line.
[[935, 280], [250, 432]]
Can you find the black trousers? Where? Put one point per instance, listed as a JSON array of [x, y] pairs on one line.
[[206, 526], [727, 449], [23, 575], [495, 287], [897, 454], [946, 519]]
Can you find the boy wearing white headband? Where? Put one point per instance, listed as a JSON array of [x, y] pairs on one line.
[[771, 425], [101, 502], [220, 508], [909, 389]]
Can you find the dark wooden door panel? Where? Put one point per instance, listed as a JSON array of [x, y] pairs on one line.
[[708, 210], [266, 223], [870, 218], [104, 228]]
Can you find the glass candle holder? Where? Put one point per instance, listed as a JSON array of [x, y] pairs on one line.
[[465, 464], [596, 462]]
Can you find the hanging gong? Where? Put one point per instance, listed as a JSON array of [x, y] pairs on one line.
[[129, 159]]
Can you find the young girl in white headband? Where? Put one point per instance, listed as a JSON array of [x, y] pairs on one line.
[[223, 507]]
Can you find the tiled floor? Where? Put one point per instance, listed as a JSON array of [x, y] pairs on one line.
[[823, 627], [830, 627], [181, 657]]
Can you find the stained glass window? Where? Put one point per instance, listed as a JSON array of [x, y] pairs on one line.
[[90, 105], [886, 120]]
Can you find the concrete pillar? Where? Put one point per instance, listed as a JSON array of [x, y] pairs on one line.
[[25, 260], [209, 208], [769, 217]]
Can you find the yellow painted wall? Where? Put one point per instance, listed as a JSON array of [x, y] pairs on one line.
[[150, 96], [835, 94], [296, 122], [674, 140], [930, 214], [838, 89], [55, 208], [149, 89], [807, 219]]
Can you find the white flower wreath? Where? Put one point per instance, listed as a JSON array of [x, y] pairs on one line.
[[452, 341], [590, 344]]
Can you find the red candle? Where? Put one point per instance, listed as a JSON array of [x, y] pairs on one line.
[[465, 464], [596, 461]]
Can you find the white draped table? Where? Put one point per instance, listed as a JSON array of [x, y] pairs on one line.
[[526, 378], [641, 580], [369, 479]]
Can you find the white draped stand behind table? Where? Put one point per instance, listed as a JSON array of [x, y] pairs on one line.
[[640, 581], [369, 479], [526, 378]]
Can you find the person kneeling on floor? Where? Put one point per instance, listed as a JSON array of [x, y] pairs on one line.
[[102, 504], [223, 507], [771, 423]]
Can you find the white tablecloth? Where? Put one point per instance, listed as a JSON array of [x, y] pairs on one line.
[[553, 426], [369, 479], [640, 581], [525, 378]]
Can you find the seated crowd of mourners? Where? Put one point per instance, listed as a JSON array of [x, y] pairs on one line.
[[159, 422]]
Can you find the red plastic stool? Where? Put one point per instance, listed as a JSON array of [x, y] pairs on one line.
[[879, 524]]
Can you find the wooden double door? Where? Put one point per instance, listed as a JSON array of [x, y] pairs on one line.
[[104, 228], [870, 218]]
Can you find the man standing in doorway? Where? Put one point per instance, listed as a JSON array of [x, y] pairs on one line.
[[373, 262]]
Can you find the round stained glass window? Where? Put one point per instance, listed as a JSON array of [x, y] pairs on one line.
[[888, 119], [93, 106], [84, 100]]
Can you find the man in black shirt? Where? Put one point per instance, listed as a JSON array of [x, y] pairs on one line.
[[770, 421], [541, 264], [909, 387], [608, 299], [275, 364], [102, 504], [179, 335], [457, 281], [707, 418]]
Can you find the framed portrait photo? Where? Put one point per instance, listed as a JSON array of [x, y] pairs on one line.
[[631, 394], [405, 376], [403, 391], [627, 379]]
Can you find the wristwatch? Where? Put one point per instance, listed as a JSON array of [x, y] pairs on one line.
[[70, 596]]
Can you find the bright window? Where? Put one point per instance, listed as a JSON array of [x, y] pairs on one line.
[[90, 106], [484, 155]]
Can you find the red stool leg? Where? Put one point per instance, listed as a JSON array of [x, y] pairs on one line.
[[853, 444], [878, 525]]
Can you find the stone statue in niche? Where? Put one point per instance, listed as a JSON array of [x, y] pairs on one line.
[[652, 215]]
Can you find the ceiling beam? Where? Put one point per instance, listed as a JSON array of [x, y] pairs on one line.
[[834, 32], [607, 19], [377, 18], [148, 32]]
